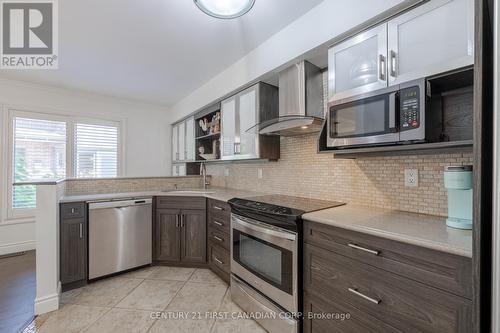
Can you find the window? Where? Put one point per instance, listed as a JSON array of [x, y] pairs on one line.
[[48, 147], [39, 154], [96, 151]]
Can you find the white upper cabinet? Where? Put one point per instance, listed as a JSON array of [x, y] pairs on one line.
[[359, 64], [183, 140], [430, 39], [433, 38], [248, 115], [190, 139], [241, 112], [175, 142], [228, 125]]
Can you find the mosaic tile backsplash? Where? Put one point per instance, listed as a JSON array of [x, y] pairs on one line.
[[369, 181], [123, 185]]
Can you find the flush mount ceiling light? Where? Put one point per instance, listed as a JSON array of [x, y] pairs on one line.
[[225, 9]]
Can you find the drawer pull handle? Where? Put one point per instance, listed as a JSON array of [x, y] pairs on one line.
[[81, 230], [354, 246], [218, 208], [73, 210], [218, 261], [177, 221], [355, 292], [218, 223], [217, 238]]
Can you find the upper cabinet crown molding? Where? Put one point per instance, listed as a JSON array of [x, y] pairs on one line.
[[432, 38]]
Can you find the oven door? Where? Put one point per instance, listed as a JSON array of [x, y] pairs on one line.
[[371, 120], [265, 257]]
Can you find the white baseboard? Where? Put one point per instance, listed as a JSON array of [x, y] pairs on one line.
[[46, 304], [17, 247]]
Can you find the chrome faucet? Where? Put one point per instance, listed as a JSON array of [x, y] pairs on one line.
[[203, 172]]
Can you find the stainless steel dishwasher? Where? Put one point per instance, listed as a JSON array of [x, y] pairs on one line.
[[119, 235]]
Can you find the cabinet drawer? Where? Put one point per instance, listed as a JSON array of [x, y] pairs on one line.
[[220, 223], [341, 318], [219, 209], [169, 202], [400, 302], [438, 269], [219, 238], [219, 258], [72, 210]]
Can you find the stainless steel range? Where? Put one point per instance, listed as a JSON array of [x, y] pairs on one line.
[[266, 239]]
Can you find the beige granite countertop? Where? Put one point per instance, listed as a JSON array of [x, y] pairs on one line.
[[217, 193], [417, 229]]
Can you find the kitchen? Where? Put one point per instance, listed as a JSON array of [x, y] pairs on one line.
[[345, 183]]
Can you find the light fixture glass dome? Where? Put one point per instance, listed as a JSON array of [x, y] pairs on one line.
[[225, 9]]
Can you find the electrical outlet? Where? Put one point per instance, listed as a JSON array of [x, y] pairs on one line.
[[259, 173], [411, 177], [226, 172]]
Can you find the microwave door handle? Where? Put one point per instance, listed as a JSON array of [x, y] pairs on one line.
[[393, 112]]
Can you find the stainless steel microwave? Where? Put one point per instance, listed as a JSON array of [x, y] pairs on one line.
[[388, 116]]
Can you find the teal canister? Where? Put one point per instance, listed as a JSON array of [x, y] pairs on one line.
[[458, 183]]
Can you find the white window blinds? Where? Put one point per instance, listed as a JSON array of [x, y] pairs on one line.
[[96, 151], [39, 154]]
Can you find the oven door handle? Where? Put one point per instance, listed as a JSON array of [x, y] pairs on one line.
[[263, 230]]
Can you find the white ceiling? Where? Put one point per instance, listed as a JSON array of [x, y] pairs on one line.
[[156, 51]]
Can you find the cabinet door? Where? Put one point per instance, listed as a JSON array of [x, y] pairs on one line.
[[433, 38], [167, 235], [190, 139], [359, 64], [194, 236], [228, 126], [182, 141], [73, 253], [175, 142], [181, 171], [247, 109]]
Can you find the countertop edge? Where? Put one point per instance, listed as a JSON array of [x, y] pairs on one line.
[[396, 237]]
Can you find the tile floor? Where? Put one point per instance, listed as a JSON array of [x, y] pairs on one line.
[[148, 300]]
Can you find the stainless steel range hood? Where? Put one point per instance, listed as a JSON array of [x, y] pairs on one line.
[[301, 109]]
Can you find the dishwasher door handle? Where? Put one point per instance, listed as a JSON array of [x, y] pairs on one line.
[[119, 203]]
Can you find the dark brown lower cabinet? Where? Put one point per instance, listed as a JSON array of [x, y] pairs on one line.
[[167, 235], [193, 236], [219, 222], [73, 245], [324, 317], [377, 299], [180, 234]]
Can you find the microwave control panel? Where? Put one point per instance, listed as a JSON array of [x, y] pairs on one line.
[[409, 99]]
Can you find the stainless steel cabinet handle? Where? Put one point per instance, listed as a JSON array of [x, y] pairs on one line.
[[368, 298], [182, 221], [81, 230], [354, 246], [218, 208], [393, 69], [218, 261], [381, 67], [217, 238], [73, 210], [177, 221], [218, 223], [176, 156]]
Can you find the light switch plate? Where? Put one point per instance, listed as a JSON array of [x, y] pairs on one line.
[[259, 173], [411, 177]]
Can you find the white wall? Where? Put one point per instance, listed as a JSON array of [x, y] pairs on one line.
[[318, 26], [146, 140]]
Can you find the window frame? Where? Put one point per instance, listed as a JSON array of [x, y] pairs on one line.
[[8, 173]]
